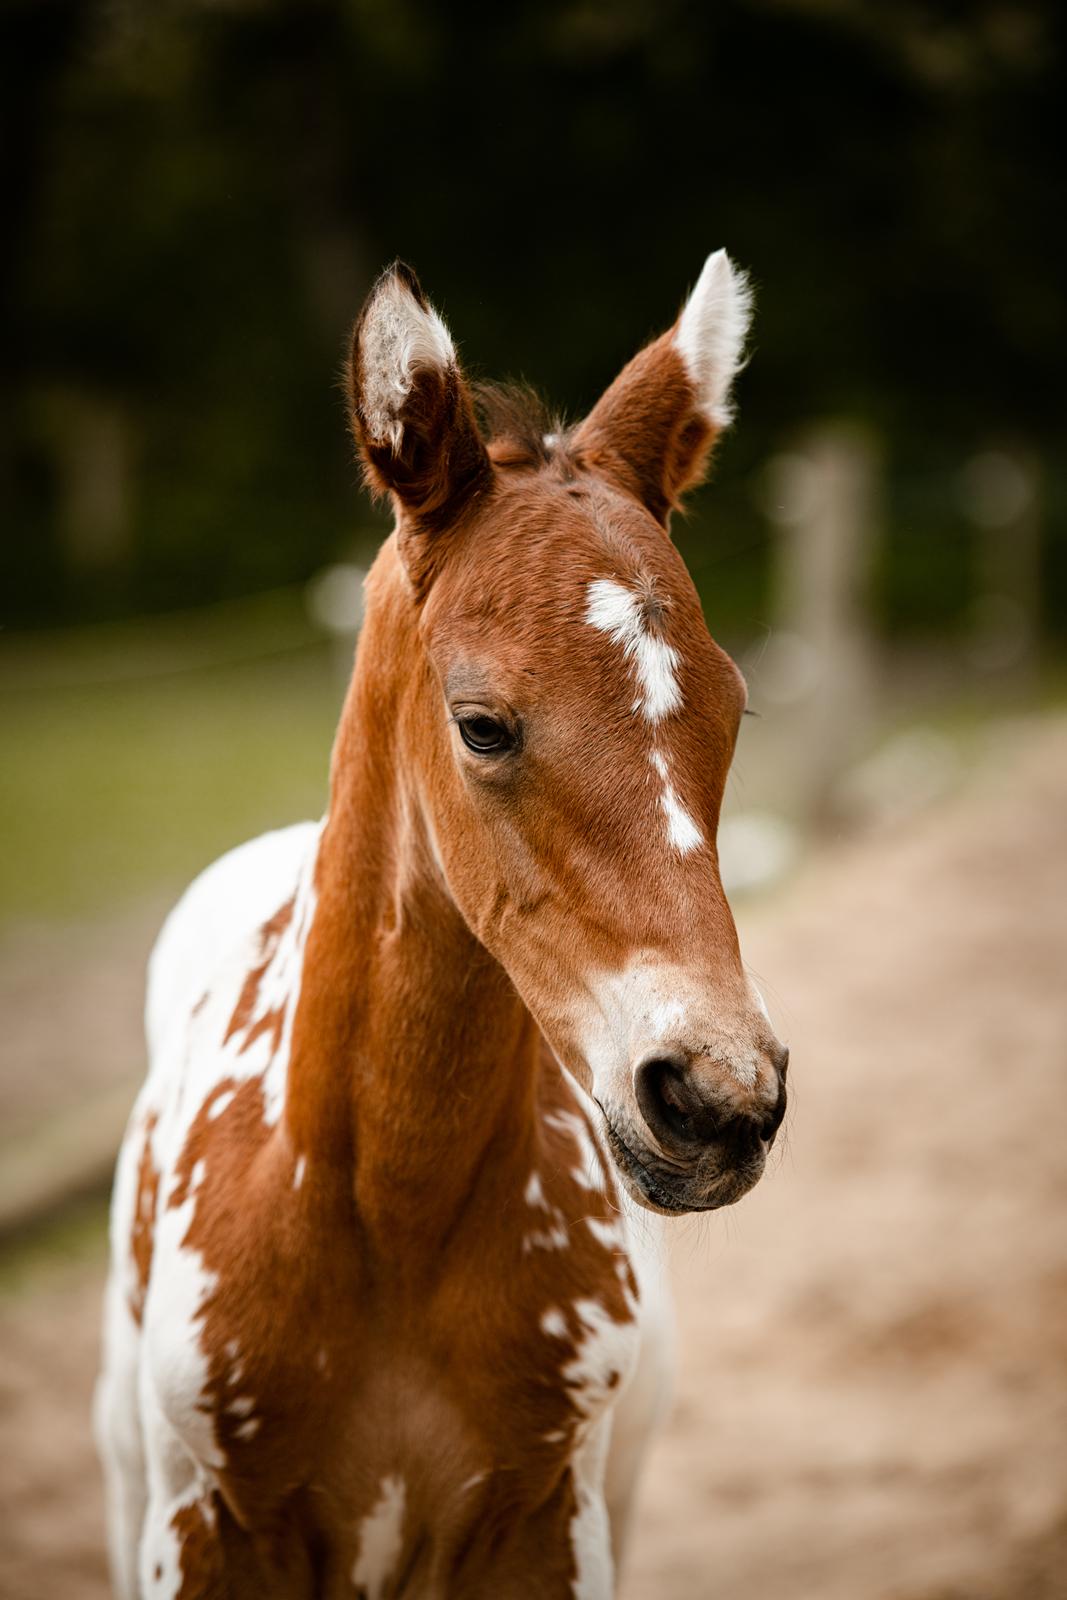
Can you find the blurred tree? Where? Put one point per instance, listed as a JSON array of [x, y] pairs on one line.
[[201, 193]]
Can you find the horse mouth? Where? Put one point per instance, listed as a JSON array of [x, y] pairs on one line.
[[649, 1191]]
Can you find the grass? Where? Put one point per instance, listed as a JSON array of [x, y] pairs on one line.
[[74, 1236], [134, 756]]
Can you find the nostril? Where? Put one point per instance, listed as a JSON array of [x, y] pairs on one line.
[[667, 1103]]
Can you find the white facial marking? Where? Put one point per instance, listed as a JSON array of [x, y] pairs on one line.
[[711, 332], [397, 339], [682, 831], [617, 612], [652, 1003], [381, 1539]]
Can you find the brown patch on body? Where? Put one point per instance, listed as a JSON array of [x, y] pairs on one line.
[[142, 1233], [243, 1012]]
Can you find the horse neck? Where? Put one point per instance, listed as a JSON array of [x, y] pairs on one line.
[[411, 1051]]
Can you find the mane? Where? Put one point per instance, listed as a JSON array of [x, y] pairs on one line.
[[517, 423]]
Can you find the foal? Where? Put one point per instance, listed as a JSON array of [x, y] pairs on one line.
[[381, 1321]]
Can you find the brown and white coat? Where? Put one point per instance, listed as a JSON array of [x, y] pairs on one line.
[[386, 1314]]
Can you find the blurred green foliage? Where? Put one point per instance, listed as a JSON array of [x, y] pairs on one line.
[[136, 753], [200, 194]]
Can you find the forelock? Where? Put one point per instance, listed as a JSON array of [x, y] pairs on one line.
[[519, 427]]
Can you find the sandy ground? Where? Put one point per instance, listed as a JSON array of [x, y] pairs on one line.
[[872, 1394]]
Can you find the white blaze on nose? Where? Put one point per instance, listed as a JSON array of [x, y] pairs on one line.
[[617, 612]]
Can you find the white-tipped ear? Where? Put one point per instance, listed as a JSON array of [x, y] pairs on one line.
[[710, 334], [399, 335]]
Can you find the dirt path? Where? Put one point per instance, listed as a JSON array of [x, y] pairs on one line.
[[872, 1399]]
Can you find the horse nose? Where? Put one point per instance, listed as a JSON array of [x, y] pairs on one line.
[[685, 1117]]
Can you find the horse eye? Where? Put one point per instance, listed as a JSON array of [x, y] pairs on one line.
[[484, 735]]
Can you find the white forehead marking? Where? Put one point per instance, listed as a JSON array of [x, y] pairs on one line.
[[381, 1536], [617, 612]]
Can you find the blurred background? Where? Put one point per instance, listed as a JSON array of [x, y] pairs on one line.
[[872, 1398]]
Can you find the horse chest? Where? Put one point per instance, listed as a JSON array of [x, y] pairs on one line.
[[465, 1411]]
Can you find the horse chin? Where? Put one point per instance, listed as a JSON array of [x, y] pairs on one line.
[[672, 1194]]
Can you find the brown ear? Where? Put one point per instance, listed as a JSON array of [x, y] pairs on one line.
[[411, 415], [653, 429]]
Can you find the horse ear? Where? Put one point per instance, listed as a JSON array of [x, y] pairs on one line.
[[411, 414], [653, 429]]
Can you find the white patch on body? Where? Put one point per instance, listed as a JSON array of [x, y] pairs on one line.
[[612, 1235], [398, 338], [219, 1104], [710, 334], [590, 1529], [177, 1363], [534, 1193], [555, 1237], [299, 1170], [589, 1172], [554, 1323], [381, 1539], [608, 1349], [617, 612], [153, 1413]]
